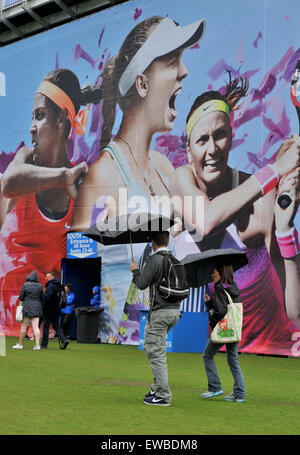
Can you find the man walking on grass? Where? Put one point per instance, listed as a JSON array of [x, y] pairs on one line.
[[51, 312], [162, 317]]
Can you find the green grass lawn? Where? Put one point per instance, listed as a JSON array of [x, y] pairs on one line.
[[92, 389]]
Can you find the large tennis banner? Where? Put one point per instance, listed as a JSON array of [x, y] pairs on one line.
[[183, 108]]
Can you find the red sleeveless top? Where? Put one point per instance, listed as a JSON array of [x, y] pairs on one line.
[[28, 241]]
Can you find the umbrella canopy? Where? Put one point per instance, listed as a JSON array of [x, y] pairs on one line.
[[199, 266], [129, 228]]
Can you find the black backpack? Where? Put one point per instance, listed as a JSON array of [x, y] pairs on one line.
[[61, 297], [173, 286]]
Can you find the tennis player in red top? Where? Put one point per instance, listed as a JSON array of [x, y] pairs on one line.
[[40, 184]]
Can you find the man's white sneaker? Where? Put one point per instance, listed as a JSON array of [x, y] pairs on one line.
[[36, 348], [17, 346]]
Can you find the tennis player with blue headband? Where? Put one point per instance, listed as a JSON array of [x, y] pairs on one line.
[[240, 209]]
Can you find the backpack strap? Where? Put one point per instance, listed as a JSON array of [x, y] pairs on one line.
[[164, 254]]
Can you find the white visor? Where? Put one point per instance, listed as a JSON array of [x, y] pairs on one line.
[[165, 38]]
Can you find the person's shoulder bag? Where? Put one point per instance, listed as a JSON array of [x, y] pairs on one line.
[[229, 329], [19, 312]]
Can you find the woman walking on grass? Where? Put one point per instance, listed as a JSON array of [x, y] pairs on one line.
[[32, 298], [224, 283]]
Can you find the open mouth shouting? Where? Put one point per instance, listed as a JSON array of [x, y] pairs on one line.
[[172, 102]]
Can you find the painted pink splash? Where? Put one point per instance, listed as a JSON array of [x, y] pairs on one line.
[[262, 100], [81, 53], [237, 142], [173, 147], [291, 65], [103, 60], [249, 74], [267, 87], [218, 69], [101, 36], [259, 36], [137, 13], [196, 46], [6, 158]]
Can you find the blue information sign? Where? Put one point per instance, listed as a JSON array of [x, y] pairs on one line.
[[79, 246]]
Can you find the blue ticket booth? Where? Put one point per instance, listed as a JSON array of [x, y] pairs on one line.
[[82, 268], [189, 334]]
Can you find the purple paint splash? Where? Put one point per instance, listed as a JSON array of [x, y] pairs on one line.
[[81, 53], [261, 100], [137, 13], [291, 65], [195, 46], [56, 61], [173, 147], [262, 103], [6, 158], [218, 69], [259, 36], [268, 86], [101, 36]]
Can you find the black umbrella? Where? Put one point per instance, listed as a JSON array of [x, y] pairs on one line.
[[199, 266], [129, 228]]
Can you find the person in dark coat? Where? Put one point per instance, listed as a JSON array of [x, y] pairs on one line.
[[51, 312], [32, 298], [66, 313], [223, 279]]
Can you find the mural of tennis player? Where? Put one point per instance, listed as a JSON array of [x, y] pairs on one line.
[[240, 211], [144, 79], [40, 187]]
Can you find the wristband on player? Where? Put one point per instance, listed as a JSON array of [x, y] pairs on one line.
[[288, 243], [267, 177]]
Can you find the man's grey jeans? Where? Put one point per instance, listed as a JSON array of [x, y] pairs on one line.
[[156, 330]]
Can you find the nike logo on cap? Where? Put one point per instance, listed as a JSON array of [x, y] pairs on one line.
[[205, 108]]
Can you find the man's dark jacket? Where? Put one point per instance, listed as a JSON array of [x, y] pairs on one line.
[[51, 301], [150, 275]]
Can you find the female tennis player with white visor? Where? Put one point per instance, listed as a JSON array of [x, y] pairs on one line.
[[144, 79]]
